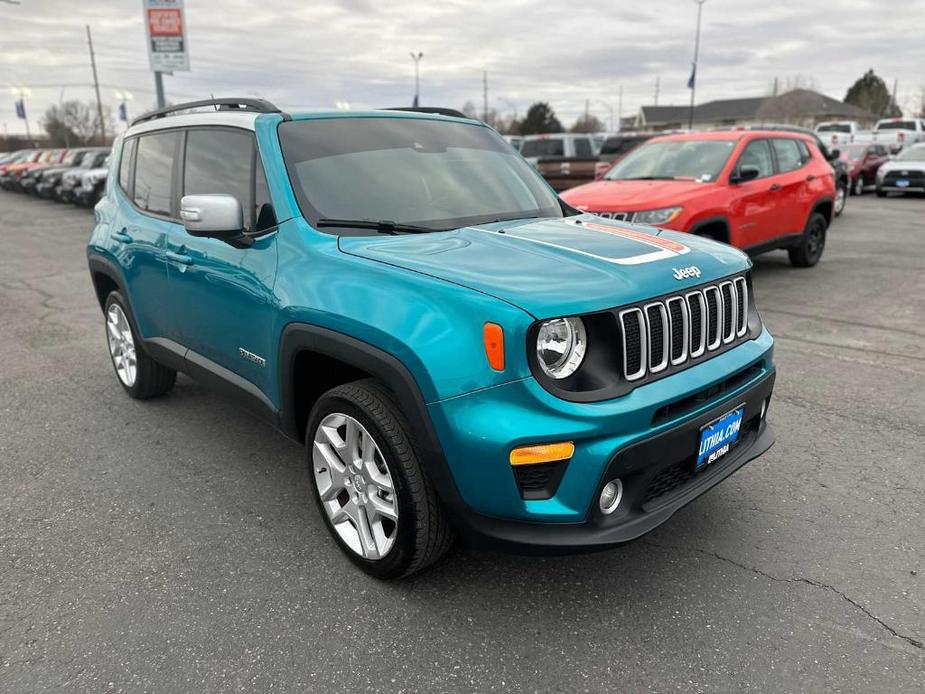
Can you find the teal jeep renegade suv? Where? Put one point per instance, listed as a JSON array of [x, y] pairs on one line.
[[459, 350]]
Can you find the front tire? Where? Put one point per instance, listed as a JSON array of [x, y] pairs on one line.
[[809, 248], [140, 376], [369, 484]]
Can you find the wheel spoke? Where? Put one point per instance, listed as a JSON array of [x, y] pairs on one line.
[[383, 507], [377, 477], [361, 519]]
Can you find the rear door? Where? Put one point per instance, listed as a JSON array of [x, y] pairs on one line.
[[752, 202], [146, 216], [224, 293], [794, 185]]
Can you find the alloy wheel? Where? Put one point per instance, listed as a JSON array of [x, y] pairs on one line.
[[355, 486], [859, 186], [840, 194], [121, 345], [816, 239]]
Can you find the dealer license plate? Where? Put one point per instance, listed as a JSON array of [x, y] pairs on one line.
[[717, 437], [902, 182]]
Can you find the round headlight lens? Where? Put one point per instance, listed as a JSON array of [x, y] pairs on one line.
[[560, 346]]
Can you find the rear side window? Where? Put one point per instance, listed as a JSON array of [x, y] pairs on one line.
[[543, 148], [220, 161], [758, 154], [805, 155], [788, 155], [897, 125], [583, 149], [153, 171], [125, 165]]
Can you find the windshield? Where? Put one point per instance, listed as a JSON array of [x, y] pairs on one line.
[[897, 125], [916, 153], [417, 172], [543, 148], [621, 145], [855, 152], [700, 160], [834, 128]]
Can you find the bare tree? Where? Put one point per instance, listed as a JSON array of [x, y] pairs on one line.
[[74, 123]]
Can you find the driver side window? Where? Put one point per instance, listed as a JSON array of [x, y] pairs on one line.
[[757, 154]]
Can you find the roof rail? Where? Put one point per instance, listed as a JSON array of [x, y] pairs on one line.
[[438, 110], [223, 104]]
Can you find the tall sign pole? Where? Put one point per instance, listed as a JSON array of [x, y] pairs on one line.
[[416, 57], [167, 48], [96, 86], [692, 82]]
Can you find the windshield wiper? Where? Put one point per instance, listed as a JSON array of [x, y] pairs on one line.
[[383, 226]]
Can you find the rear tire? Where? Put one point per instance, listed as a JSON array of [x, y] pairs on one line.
[[420, 533], [881, 193], [139, 375], [809, 249], [857, 187], [841, 198]]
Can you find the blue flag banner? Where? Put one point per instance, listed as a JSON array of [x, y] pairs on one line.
[[693, 77], [123, 113], [21, 109]]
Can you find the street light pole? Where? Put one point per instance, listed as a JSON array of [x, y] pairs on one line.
[[96, 85], [416, 57], [693, 80]]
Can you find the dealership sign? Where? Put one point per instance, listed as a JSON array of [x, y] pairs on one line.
[[167, 49]]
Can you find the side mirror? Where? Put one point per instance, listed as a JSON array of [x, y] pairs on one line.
[[745, 174], [834, 154], [214, 216]]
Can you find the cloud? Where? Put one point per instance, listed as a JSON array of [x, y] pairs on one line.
[[310, 55]]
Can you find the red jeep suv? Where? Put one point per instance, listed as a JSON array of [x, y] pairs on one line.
[[758, 190]]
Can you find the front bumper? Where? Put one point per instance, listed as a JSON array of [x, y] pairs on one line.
[[628, 437]]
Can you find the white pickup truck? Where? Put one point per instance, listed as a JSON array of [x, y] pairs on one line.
[[894, 133]]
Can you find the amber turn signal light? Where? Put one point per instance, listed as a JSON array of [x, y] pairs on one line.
[[544, 453], [493, 336]]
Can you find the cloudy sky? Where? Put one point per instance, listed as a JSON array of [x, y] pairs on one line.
[[306, 54]]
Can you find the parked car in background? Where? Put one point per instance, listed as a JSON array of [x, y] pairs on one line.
[[615, 147], [905, 173], [514, 141], [92, 185], [758, 190], [565, 160], [19, 157], [51, 178], [838, 133], [895, 133], [863, 162], [30, 179], [13, 172]]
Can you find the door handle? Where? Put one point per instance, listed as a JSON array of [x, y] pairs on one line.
[[121, 237], [180, 258], [774, 187], [810, 177]]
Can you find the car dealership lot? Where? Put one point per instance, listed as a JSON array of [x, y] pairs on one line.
[[173, 546]]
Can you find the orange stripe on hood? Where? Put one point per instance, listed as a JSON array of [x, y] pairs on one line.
[[640, 236]]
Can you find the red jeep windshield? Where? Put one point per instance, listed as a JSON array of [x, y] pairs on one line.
[[699, 160]]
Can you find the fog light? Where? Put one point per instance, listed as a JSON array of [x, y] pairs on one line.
[[611, 496]]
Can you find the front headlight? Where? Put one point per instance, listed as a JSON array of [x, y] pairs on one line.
[[660, 216], [560, 346]]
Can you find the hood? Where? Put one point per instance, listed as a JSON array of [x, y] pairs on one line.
[[620, 196], [902, 166], [557, 267]]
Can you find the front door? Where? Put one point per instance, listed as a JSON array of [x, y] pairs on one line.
[[223, 294], [752, 207]]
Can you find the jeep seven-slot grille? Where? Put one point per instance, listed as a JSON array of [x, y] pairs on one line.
[[676, 329]]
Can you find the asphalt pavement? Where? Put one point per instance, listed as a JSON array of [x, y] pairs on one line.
[[172, 546]]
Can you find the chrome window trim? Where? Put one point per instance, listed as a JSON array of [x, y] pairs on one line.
[[702, 345], [643, 344], [666, 337], [685, 329]]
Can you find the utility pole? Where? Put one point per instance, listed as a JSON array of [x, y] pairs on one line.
[[657, 89], [620, 110], [895, 92], [692, 83], [416, 57], [485, 96], [96, 86]]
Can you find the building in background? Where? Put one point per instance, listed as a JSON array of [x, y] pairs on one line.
[[802, 107]]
